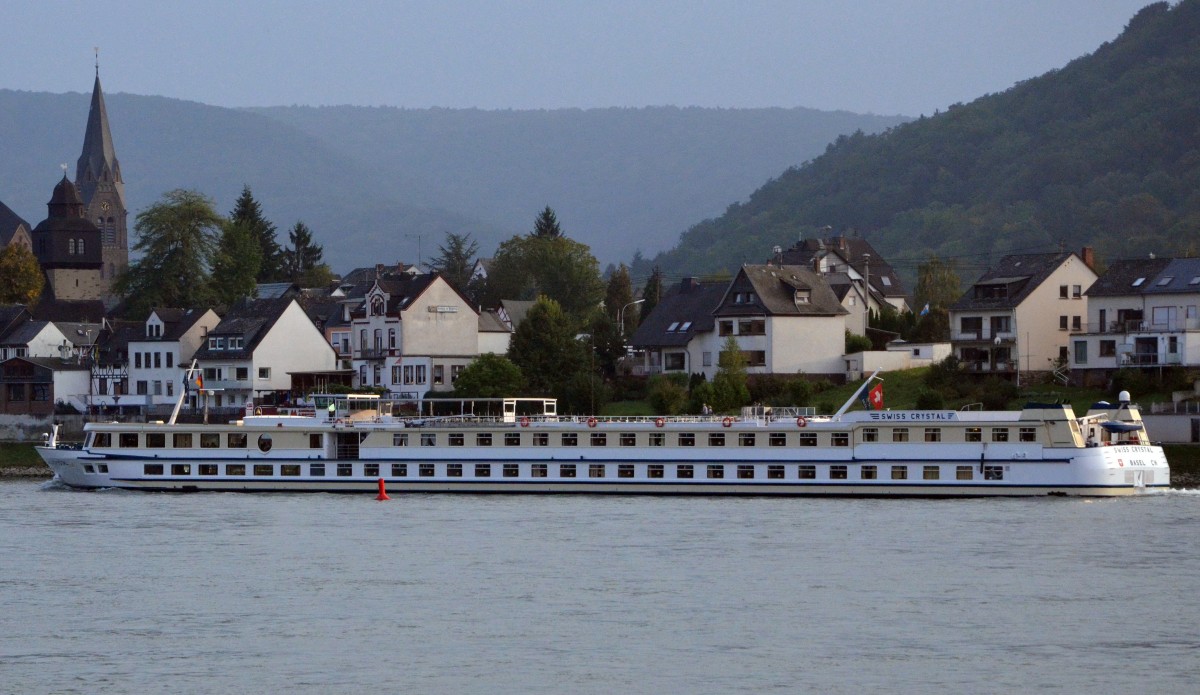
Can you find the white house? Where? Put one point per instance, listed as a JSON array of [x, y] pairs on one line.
[[157, 358], [32, 338]]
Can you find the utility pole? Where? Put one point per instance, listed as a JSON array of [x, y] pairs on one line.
[[418, 237]]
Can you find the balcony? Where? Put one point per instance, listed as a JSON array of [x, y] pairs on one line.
[[1150, 359], [983, 367], [984, 336], [1141, 326], [375, 353]]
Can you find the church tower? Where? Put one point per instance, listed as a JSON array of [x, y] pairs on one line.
[[98, 179], [67, 246]]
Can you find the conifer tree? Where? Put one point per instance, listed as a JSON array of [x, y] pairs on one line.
[[248, 212], [302, 259], [457, 260], [235, 264], [546, 225], [652, 293]]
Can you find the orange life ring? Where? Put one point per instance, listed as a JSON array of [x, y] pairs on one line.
[[727, 422], [659, 422], [801, 421], [524, 422], [591, 422]]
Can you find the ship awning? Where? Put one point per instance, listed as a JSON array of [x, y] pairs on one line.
[[1114, 426]]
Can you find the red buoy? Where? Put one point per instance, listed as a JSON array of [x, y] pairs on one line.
[[382, 496]]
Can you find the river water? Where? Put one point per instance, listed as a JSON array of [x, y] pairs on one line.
[[137, 592]]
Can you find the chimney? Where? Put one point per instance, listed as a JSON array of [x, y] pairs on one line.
[[1089, 257], [688, 284]]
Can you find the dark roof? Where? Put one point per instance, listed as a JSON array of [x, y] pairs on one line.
[[50, 309], [403, 289], [56, 364], [883, 277], [489, 322], [275, 290], [324, 312], [775, 289], [11, 316], [23, 333], [114, 342], [176, 322], [1021, 274], [9, 222], [1182, 275], [692, 302], [1118, 279], [79, 332], [249, 318]]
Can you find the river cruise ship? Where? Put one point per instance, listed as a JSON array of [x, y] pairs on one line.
[[351, 443]]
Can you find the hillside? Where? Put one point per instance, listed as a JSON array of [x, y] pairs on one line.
[[1105, 151], [367, 180]]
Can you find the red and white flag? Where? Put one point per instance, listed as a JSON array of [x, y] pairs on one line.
[[876, 397]]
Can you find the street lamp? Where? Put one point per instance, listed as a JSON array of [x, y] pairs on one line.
[[621, 316]]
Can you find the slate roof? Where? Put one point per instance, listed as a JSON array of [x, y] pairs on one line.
[[692, 302], [9, 221], [11, 316], [1118, 279], [56, 364], [251, 319], [79, 333], [275, 290], [489, 322], [1021, 274], [176, 322], [25, 332], [113, 346], [50, 309], [403, 289], [883, 277], [775, 289], [1182, 275], [515, 310]]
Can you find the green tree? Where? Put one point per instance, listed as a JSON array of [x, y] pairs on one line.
[[302, 259], [21, 278], [235, 264], [490, 376], [667, 394], [544, 347], [618, 295], [546, 225], [176, 238], [457, 260], [652, 292], [730, 389], [937, 284], [248, 212], [557, 267], [606, 342]]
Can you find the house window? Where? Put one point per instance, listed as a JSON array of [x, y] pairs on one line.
[[1076, 292], [1076, 323], [1080, 352], [158, 360], [1062, 292], [264, 372], [707, 359], [391, 338], [242, 373], [1027, 434], [1062, 323], [725, 328], [377, 305], [439, 374], [1108, 348]]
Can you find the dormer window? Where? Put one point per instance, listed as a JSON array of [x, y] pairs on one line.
[[749, 297], [220, 343], [887, 281], [737, 298], [377, 305], [803, 296], [212, 343]]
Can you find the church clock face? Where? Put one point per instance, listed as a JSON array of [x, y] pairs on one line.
[[105, 206]]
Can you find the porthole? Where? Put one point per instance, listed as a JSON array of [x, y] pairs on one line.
[[264, 443]]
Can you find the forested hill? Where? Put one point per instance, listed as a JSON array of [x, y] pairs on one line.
[[1104, 151]]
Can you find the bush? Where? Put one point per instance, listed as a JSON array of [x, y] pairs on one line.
[[701, 393], [800, 392], [930, 400], [857, 343], [767, 387], [996, 393], [1132, 380], [826, 407], [667, 395]]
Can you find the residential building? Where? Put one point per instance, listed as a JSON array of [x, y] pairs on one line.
[[13, 229], [1018, 316], [32, 338], [676, 336], [158, 357], [1142, 313], [33, 385], [494, 333], [251, 352], [855, 258]]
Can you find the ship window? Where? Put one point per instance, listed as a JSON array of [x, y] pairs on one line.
[[102, 467], [539, 470], [746, 439], [570, 439], [345, 470], [868, 473], [541, 439], [808, 439], [899, 472], [566, 470], [999, 434], [289, 469], [658, 439], [208, 469], [181, 469], [483, 470], [210, 440], [235, 440], [371, 470], [993, 472], [745, 471], [128, 440], [316, 470], [628, 439], [684, 471], [426, 470], [841, 439], [1028, 434], [152, 469], [265, 469], [399, 440], [899, 434], [596, 470], [625, 470], [181, 440], [235, 469], [454, 470], [777, 439], [264, 443], [687, 439], [933, 434], [655, 470], [512, 439], [807, 472], [314, 440], [838, 472], [715, 471], [428, 439], [156, 440], [964, 473], [974, 434], [931, 473], [775, 472], [483, 439], [457, 439], [870, 434], [599, 439], [512, 470], [103, 440], [400, 470], [716, 439]]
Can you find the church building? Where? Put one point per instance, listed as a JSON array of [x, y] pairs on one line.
[[98, 180]]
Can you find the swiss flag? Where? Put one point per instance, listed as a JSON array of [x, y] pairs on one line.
[[876, 397]]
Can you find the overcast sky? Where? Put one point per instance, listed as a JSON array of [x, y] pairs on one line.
[[898, 57]]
